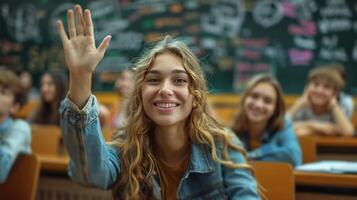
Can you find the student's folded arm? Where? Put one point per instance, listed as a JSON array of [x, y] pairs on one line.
[[240, 182], [283, 148], [313, 127], [304, 128], [11, 146], [342, 120], [92, 163], [325, 128]]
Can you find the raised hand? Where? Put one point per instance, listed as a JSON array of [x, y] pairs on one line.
[[81, 54], [80, 51]]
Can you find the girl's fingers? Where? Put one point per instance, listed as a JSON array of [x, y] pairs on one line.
[[104, 45], [79, 19], [71, 24], [62, 33], [88, 22]]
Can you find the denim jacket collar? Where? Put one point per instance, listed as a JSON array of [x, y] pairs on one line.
[[266, 137], [201, 160]]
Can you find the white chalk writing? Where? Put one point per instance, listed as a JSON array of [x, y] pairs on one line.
[[267, 13], [225, 18]]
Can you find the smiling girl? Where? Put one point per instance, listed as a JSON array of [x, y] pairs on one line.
[[261, 124], [53, 88], [318, 110], [170, 148]]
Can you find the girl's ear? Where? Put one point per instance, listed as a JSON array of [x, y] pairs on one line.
[[194, 105]]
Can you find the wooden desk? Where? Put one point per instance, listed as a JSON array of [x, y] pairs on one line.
[[336, 141], [336, 148], [314, 185], [54, 182], [54, 163]]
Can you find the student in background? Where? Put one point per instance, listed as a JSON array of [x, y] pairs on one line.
[[53, 89], [171, 148], [123, 86], [318, 110], [27, 84], [345, 100], [15, 135], [262, 125]]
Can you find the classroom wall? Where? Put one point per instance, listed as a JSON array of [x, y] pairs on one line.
[[233, 39]]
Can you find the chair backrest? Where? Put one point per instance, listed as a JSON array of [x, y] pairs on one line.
[[108, 133], [27, 109], [46, 139], [22, 180], [276, 178], [308, 148]]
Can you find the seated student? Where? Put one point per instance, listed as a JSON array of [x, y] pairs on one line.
[[15, 135], [27, 84], [170, 148], [261, 124], [123, 86], [53, 88], [318, 110]]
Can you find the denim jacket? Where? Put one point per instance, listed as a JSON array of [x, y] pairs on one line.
[[15, 139], [281, 146], [95, 163]]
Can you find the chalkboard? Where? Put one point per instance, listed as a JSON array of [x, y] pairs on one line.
[[234, 39]]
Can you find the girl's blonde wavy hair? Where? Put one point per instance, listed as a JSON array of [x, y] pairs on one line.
[[138, 163]]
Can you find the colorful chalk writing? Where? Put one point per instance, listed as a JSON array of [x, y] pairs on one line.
[[234, 39]]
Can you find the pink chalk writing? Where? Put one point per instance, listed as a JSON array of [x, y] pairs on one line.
[[289, 9], [306, 28], [251, 54], [300, 57], [257, 43]]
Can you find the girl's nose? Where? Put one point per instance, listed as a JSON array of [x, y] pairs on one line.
[[165, 89], [259, 103]]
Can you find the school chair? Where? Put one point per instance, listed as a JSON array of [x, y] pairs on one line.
[[27, 109], [22, 180], [108, 133], [308, 148], [46, 139], [276, 178]]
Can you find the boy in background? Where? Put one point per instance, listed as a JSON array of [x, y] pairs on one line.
[[15, 135], [318, 110]]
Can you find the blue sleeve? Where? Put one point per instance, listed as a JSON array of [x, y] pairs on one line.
[[92, 161], [17, 140], [347, 104], [239, 182], [283, 147]]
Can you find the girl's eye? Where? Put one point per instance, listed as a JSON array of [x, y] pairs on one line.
[[152, 80], [268, 100], [254, 95], [180, 81], [327, 86]]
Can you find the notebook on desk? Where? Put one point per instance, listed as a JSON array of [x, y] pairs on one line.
[[330, 166]]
